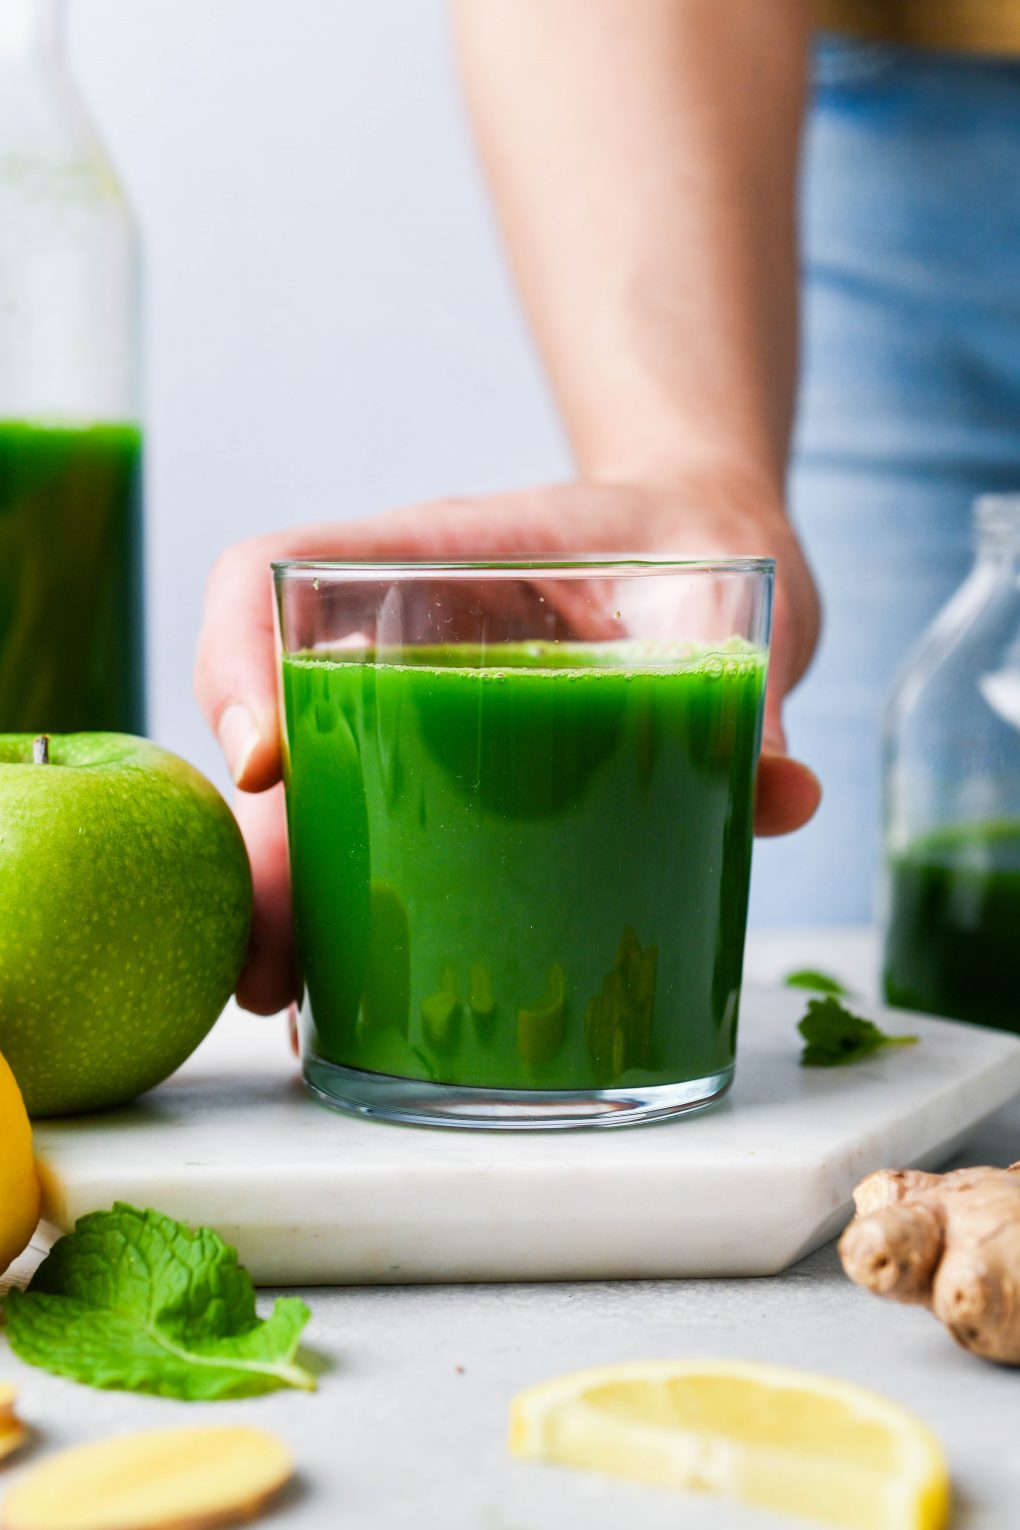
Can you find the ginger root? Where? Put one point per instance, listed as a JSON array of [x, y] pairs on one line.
[[172, 1479], [948, 1242], [13, 1433]]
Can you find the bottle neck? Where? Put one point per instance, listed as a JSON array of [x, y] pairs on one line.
[[997, 529], [29, 30]]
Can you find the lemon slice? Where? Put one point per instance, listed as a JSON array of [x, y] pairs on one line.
[[778, 1439]]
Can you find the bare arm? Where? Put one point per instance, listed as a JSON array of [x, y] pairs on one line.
[[643, 155]]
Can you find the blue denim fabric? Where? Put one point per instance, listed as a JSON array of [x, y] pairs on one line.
[[910, 407]]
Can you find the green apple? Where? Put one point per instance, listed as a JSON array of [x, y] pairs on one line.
[[125, 903]]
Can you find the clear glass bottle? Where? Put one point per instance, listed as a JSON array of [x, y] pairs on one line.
[[952, 795], [71, 634]]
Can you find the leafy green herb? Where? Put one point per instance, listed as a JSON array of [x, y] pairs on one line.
[[834, 1036], [817, 982], [134, 1300]]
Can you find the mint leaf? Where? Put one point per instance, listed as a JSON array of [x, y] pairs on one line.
[[834, 1036], [816, 981], [134, 1300]]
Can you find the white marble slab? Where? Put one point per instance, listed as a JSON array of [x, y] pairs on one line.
[[312, 1197]]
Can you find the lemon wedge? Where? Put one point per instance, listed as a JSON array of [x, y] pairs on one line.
[[778, 1439], [19, 1187]]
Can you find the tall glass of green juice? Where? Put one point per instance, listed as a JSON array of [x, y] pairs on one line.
[[520, 807]]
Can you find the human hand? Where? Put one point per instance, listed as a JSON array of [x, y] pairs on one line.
[[235, 675]]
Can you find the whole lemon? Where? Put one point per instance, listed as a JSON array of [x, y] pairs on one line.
[[19, 1187]]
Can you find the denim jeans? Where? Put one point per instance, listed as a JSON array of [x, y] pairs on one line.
[[909, 408]]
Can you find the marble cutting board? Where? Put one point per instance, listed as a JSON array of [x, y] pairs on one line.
[[312, 1197]]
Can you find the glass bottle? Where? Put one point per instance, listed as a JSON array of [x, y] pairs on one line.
[[952, 795], [71, 635]]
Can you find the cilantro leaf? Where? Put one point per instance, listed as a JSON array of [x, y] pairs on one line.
[[834, 1036], [134, 1300], [816, 981]]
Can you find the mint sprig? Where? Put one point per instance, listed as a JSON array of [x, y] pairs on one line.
[[834, 1036], [817, 981], [134, 1300]]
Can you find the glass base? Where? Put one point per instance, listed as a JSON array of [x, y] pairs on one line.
[[425, 1104]]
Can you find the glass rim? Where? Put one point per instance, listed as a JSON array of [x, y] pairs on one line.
[[571, 567]]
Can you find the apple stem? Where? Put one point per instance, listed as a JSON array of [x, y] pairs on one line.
[[41, 750]]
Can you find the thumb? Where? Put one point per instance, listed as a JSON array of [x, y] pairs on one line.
[[235, 671], [787, 792], [773, 734]]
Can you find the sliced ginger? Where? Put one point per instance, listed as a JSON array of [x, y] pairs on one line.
[[172, 1479], [948, 1242], [13, 1433]]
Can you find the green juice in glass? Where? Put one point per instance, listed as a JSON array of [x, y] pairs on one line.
[[522, 869], [953, 935], [71, 649]]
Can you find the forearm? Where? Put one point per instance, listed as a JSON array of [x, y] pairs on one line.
[[643, 156]]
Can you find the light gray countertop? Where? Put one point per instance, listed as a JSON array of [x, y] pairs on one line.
[[408, 1427]]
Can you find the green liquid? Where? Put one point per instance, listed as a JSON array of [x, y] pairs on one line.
[[71, 647], [531, 875], [953, 941]]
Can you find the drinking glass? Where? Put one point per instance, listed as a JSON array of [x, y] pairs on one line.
[[520, 811]]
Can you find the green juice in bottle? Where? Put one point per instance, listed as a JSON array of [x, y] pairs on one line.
[[71, 642]]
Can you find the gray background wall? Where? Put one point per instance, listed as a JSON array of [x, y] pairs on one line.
[[330, 329], [330, 326]]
